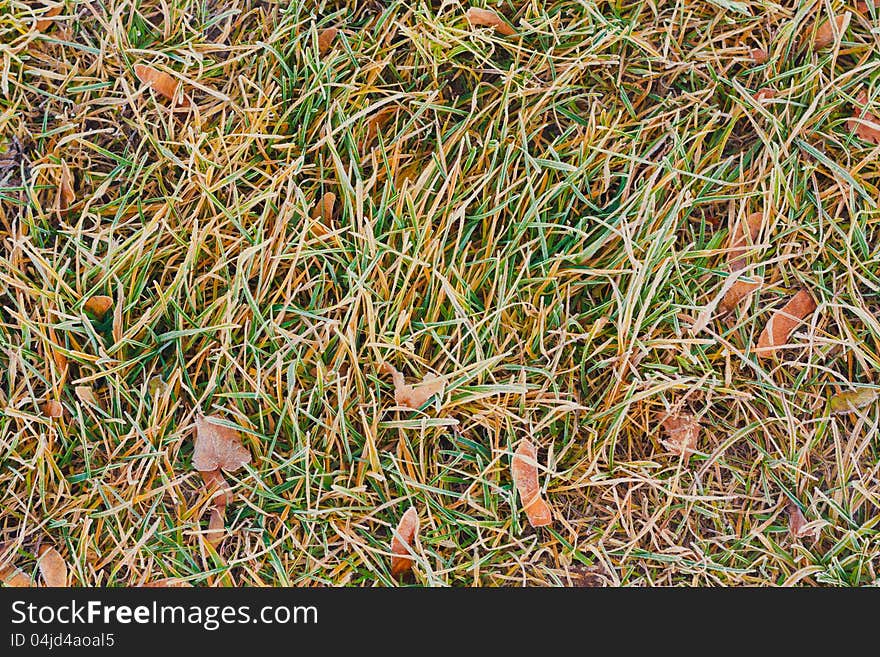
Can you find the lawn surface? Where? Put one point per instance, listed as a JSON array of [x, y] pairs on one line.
[[544, 220]]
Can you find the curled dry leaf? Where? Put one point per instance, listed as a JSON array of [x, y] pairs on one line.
[[167, 583], [849, 402], [783, 322], [825, 34], [45, 22], [525, 476], [326, 38], [682, 433], [759, 55], [98, 305], [52, 567], [864, 123], [402, 540], [485, 18], [66, 195], [797, 523], [52, 408], [742, 288], [160, 82], [413, 396], [218, 446]]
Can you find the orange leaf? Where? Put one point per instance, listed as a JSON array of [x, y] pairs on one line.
[[737, 292], [322, 214], [525, 476], [168, 582], [98, 305], [46, 21], [783, 322], [15, 578], [217, 446], [52, 408], [402, 540], [763, 94], [825, 34], [485, 18], [160, 82], [378, 121], [742, 240], [66, 195], [325, 39], [759, 55], [864, 123], [414, 397], [797, 523], [52, 567], [683, 433]]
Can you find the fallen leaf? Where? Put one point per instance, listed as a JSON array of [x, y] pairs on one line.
[[525, 476], [862, 6], [167, 583], [325, 39], [216, 527], [45, 22], [15, 578], [52, 567], [66, 195], [485, 18], [759, 55], [160, 82], [98, 305], [86, 394], [825, 34], [322, 214], [683, 433], [848, 402], [52, 408], [414, 396], [402, 540], [864, 123], [764, 93], [217, 446], [742, 240], [216, 484], [783, 322], [742, 288], [797, 523], [378, 121]]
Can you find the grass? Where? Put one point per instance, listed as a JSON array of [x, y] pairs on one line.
[[539, 218]]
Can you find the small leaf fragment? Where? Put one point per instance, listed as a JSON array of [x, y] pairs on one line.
[[797, 523], [864, 123], [683, 433], [52, 567], [524, 467], [759, 55], [825, 34], [742, 240], [326, 37], [414, 397], [98, 305], [52, 408], [486, 18], [783, 323], [216, 527], [402, 540], [86, 395], [166, 583], [217, 446], [66, 195], [850, 401], [160, 82], [15, 578], [45, 22]]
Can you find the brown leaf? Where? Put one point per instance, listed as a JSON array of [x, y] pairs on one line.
[[15, 578], [322, 214], [378, 121], [783, 322], [66, 195], [742, 240], [167, 583], [217, 446], [98, 305], [160, 82], [410, 396], [52, 408], [850, 401], [45, 22], [402, 540], [485, 18], [216, 484], [86, 394], [864, 123], [325, 39], [52, 567], [216, 527], [825, 34], [797, 523], [742, 288], [759, 55], [525, 476], [683, 433], [764, 93], [862, 6]]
